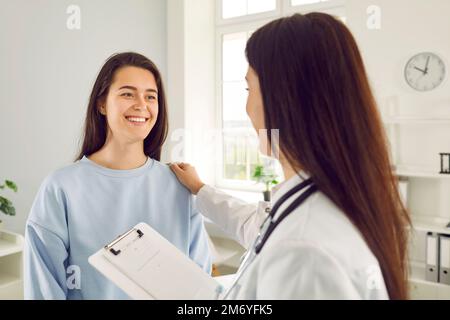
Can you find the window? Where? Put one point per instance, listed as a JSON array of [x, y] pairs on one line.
[[238, 8], [303, 2], [237, 19], [239, 143]]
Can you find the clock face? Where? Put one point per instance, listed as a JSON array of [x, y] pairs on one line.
[[425, 71]]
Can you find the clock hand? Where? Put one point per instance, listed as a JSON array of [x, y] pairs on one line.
[[426, 66], [423, 71]]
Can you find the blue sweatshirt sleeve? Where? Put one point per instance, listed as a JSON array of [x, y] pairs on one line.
[[199, 247], [45, 250]]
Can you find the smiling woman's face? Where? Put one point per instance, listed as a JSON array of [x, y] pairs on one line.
[[131, 106]]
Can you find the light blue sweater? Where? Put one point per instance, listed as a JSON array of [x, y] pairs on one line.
[[84, 206]]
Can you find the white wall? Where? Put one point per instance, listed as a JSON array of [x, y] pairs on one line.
[[409, 27], [200, 113], [191, 76], [175, 74], [46, 74]]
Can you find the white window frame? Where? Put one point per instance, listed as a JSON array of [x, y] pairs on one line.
[[247, 18], [333, 7], [246, 24]]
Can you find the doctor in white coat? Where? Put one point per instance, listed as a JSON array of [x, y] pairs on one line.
[[336, 227]]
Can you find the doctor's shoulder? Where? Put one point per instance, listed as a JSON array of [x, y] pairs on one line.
[[336, 246], [321, 227], [328, 226]]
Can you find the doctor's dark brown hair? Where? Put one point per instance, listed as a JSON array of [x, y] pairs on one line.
[[315, 90], [96, 127]]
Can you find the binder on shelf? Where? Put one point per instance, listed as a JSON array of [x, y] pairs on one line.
[[432, 258], [444, 263]]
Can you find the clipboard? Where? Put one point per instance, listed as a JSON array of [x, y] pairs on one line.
[[146, 266]]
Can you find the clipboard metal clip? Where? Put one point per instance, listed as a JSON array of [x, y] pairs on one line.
[[119, 238]]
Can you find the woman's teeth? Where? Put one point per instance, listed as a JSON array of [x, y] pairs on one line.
[[136, 119]]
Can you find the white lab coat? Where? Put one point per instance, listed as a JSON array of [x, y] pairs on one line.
[[314, 253]]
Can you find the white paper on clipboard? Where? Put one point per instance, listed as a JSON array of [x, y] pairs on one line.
[[147, 266]]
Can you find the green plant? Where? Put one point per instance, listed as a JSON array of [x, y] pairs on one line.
[[262, 176], [6, 205]]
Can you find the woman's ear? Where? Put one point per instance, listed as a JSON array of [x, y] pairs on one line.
[[101, 108]]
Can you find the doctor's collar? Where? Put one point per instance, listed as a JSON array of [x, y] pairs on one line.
[[286, 185]]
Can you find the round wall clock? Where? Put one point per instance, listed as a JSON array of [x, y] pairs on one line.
[[425, 71]]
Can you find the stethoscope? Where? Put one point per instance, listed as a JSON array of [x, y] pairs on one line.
[[269, 225]]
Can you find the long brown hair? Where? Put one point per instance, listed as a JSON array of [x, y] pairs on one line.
[[96, 127], [315, 90]]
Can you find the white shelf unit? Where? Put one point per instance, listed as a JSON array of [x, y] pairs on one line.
[[419, 287], [391, 125], [430, 224], [416, 120], [11, 276], [419, 172]]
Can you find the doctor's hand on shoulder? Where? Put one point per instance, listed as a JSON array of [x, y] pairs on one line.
[[188, 176], [238, 218]]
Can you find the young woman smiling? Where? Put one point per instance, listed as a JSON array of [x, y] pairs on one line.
[[116, 182]]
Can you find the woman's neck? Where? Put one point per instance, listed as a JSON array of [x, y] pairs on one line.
[[288, 171], [120, 156]]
